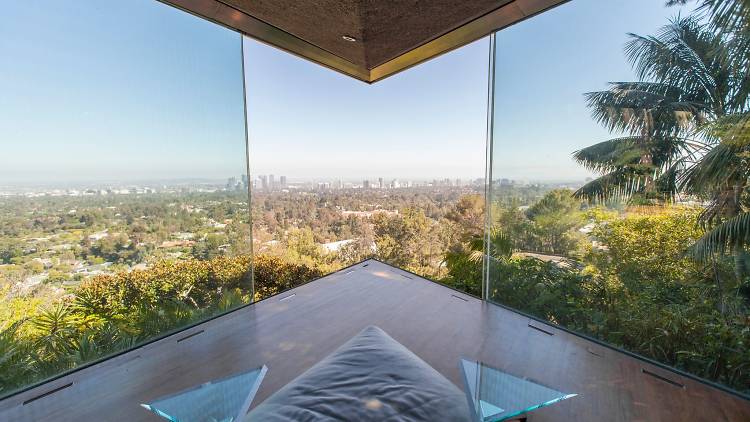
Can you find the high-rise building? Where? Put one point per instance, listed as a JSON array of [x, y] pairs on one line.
[[282, 182], [366, 184], [231, 183], [380, 182], [271, 182], [263, 182]]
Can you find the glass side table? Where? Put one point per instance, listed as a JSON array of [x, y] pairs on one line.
[[223, 400], [494, 395]]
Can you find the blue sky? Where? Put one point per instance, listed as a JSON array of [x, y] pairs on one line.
[[108, 90], [306, 120], [545, 64], [113, 90]]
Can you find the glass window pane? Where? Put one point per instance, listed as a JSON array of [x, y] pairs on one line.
[[123, 214], [343, 171], [612, 214]]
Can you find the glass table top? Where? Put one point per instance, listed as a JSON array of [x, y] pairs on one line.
[[223, 400], [497, 396]]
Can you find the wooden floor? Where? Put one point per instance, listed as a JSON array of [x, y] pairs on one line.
[[292, 331]]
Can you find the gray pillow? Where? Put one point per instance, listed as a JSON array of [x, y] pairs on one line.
[[371, 377]]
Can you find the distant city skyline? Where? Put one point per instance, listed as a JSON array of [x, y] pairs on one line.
[[87, 98], [281, 182]]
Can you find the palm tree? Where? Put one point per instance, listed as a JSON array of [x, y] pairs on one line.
[[464, 262], [15, 365], [682, 86], [725, 15], [724, 171], [684, 123]]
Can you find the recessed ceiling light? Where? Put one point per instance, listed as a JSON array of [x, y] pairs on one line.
[[348, 38]]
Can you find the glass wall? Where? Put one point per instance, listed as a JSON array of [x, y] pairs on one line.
[[123, 201], [619, 180], [342, 171]]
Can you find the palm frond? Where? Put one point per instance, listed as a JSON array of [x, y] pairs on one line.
[[728, 15], [501, 245], [667, 181], [684, 54], [618, 184], [85, 348], [630, 151], [14, 361], [635, 164], [608, 155], [719, 167], [56, 330], [646, 108], [733, 129], [734, 231]]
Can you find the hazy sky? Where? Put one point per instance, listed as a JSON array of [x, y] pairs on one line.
[[93, 89], [137, 90], [426, 122]]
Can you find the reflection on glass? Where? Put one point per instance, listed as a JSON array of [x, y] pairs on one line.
[[223, 400], [617, 207], [122, 209], [497, 396]]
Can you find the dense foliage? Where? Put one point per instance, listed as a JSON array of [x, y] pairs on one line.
[[634, 286], [643, 293], [110, 313]]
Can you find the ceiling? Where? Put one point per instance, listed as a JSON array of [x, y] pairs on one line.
[[389, 36]]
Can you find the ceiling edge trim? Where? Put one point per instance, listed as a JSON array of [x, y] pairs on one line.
[[500, 18], [236, 20]]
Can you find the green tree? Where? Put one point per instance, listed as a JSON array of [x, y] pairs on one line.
[[10, 249], [209, 247], [468, 213], [686, 122], [649, 297], [464, 261], [408, 240], [555, 218]]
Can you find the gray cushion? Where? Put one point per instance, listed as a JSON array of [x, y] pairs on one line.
[[371, 377]]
